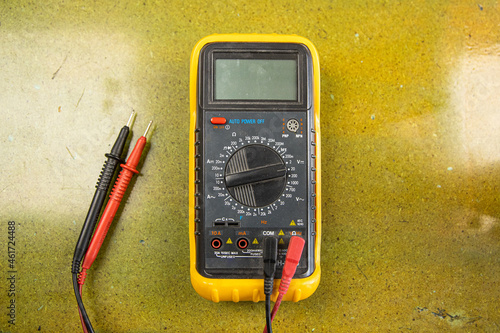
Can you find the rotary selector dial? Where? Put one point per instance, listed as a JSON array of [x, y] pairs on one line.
[[254, 167], [255, 175]]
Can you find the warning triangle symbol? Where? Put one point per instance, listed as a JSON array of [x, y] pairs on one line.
[[229, 241], [281, 233], [255, 241], [281, 241], [292, 223]]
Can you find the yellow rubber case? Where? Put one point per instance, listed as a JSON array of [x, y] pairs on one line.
[[251, 289]]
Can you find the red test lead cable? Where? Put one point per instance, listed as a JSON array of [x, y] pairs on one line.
[[293, 255], [121, 184]]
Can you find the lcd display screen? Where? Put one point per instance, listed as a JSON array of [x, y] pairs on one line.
[[255, 79]]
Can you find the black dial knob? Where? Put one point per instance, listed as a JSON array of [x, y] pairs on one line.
[[255, 175]]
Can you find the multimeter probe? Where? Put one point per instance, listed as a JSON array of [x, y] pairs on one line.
[[115, 199], [121, 184], [114, 157]]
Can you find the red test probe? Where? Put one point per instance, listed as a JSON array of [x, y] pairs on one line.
[[293, 255]]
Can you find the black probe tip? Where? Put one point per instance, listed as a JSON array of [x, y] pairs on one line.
[[131, 119]]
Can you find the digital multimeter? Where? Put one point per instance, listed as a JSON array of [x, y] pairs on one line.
[[254, 166]]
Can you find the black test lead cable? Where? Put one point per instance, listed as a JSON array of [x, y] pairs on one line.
[[108, 171], [270, 257]]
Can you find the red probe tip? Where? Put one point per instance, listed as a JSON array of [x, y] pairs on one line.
[[147, 129]]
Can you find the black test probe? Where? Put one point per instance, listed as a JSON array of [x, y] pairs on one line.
[[107, 174]]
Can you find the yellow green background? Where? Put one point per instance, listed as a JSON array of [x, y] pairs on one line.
[[410, 116]]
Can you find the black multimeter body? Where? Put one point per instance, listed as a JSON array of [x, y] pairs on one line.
[[255, 162]]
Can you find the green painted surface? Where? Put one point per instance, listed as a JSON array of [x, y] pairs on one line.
[[411, 158]]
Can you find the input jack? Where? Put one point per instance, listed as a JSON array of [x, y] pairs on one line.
[[242, 243], [216, 243]]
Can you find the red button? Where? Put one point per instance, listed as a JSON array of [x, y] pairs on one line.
[[218, 120]]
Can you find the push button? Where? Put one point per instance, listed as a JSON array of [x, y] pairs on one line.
[[218, 120]]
